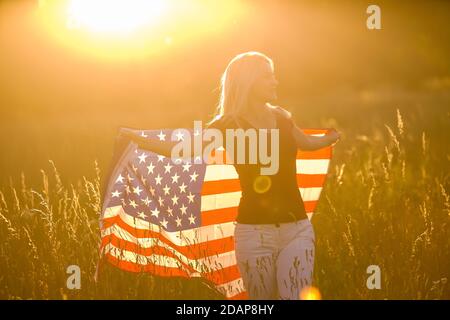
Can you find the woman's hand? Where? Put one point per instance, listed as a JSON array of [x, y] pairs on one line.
[[333, 136]]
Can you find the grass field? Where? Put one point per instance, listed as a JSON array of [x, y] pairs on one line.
[[386, 202], [64, 92]]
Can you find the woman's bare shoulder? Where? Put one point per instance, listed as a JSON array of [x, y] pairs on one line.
[[222, 122]]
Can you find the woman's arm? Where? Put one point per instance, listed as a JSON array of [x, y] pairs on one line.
[[311, 143], [307, 142], [160, 147]]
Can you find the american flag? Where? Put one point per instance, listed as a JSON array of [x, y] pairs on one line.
[[177, 218]]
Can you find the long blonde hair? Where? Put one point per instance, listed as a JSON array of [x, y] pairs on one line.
[[236, 82]]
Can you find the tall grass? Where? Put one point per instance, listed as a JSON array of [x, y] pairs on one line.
[[386, 205], [386, 202]]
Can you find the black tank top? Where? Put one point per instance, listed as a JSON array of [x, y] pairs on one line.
[[268, 199]]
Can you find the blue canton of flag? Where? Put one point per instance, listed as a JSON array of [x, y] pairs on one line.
[[156, 189]]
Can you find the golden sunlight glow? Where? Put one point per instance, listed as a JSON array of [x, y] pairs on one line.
[[310, 293], [134, 29], [114, 16]]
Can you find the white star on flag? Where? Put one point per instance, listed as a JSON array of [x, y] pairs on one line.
[[166, 190], [178, 220], [137, 190], [175, 178], [155, 212], [175, 199], [164, 223], [142, 215], [142, 157], [150, 168], [116, 194], [179, 136], [167, 168], [120, 178], [158, 179], [186, 167], [182, 188], [133, 204], [191, 197], [161, 136], [194, 176]]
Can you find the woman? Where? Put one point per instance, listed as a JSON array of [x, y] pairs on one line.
[[274, 239]]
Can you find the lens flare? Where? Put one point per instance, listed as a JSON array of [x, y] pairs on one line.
[[262, 184], [310, 293]]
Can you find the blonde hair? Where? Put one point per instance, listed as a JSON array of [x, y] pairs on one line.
[[236, 82]]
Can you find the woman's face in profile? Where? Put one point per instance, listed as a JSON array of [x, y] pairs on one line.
[[264, 87]]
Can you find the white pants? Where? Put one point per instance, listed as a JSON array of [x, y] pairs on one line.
[[275, 262]]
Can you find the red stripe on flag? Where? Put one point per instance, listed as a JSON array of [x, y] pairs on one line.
[[223, 275], [219, 216], [324, 153], [224, 215], [218, 277], [220, 186], [310, 180], [152, 268]]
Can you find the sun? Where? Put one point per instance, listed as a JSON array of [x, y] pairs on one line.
[[133, 30], [114, 16]]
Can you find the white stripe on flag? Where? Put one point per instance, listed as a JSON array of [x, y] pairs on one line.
[[312, 166], [184, 237], [216, 172]]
